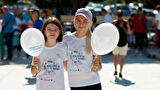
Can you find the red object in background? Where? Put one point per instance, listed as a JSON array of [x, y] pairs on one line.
[[157, 37]]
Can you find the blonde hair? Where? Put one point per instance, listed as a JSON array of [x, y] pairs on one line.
[[88, 48], [88, 42]]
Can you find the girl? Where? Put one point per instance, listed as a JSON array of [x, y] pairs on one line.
[[48, 66], [80, 61]]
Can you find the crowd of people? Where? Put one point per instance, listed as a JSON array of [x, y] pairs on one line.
[[12, 25], [72, 52]]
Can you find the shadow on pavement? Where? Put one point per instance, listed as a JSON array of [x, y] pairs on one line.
[[17, 60], [30, 81], [123, 82], [4, 62], [130, 58]]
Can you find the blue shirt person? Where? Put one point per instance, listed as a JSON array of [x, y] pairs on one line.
[[37, 21], [8, 19], [7, 24]]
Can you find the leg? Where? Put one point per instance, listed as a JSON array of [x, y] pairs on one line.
[[123, 53], [115, 60], [9, 39], [2, 45], [121, 62]]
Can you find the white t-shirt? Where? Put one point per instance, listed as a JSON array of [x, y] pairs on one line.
[[51, 74], [18, 23], [107, 18], [0, 25], [158, 19], [79, 63]]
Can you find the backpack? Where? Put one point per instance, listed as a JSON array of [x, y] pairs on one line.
[[122, 32]]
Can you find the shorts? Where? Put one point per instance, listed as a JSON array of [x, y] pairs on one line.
[[91, 87], [120, 50]]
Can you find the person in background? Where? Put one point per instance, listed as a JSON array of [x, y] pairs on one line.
[[26, 17], [138, 25], [2, 51], [82, 63], [106, 16], [121, 49], [16, 43], [94, 20], [157, 22], [7, 24], [44, 14], [37, 20]]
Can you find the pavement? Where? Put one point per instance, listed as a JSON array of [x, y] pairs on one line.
[[152, 52], [139, 73]]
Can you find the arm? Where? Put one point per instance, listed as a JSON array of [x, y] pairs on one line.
[[35, 66], [3, 23], [14, 22], [99, 62], [128, 28], [65, 65], [157, 23]]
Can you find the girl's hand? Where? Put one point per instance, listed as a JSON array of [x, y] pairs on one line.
[[95, 65], [36, 61]]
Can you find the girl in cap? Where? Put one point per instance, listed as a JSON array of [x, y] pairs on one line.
[[48, 66], [82, 69]]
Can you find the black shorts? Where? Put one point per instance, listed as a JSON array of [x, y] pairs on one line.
[[92, 87]]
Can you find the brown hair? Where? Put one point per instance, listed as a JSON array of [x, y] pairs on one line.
[[56, 22]]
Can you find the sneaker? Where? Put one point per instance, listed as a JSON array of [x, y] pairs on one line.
[[115, 73], [120, 75]]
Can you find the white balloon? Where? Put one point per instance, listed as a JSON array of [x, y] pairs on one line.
[[32, 41], [104, 38]]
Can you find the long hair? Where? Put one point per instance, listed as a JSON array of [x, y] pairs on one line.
[[56, 22], [88, 49]]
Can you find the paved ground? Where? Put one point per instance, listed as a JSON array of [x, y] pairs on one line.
[[140, 73]]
